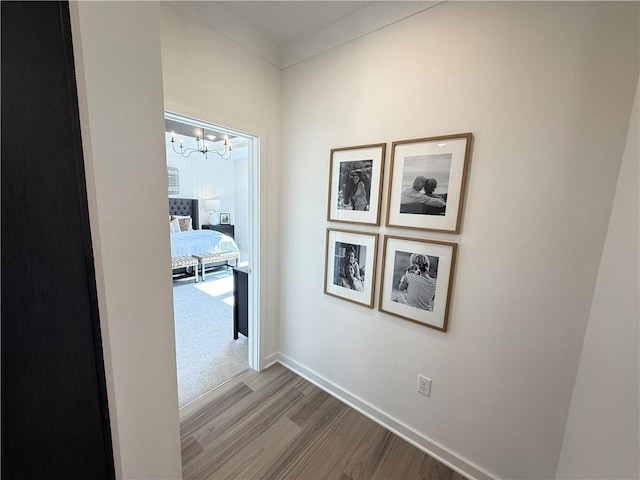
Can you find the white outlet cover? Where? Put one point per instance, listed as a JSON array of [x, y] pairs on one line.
[[424, 385]]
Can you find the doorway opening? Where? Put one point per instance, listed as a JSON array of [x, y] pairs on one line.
[[212, 170]]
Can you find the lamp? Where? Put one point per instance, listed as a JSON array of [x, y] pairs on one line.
[[212, 205], [225, 153]]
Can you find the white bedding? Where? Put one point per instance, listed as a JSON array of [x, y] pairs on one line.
[[194, 242]]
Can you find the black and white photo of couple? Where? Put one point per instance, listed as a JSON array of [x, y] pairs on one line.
[[425, 184]]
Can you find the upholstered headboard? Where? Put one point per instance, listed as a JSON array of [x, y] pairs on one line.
[[185, 206]]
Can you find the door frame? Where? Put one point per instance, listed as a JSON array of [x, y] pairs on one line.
[[256, 152]]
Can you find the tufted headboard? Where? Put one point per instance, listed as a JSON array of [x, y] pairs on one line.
[[185, 206]]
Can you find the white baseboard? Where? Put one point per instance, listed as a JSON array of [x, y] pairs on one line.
[[271, 360], [431, 447]]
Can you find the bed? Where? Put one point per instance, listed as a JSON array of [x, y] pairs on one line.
[[192, 248]]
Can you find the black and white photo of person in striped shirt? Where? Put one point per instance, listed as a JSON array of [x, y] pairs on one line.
[[418, 283]]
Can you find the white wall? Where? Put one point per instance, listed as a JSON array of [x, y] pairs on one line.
[[547, 89], [240, 209], [602, 435], [207, 76], [117, 55]]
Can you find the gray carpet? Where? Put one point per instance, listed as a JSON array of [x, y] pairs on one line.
[[206, 353]]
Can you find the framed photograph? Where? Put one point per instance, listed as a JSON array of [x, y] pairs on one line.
[[355, 184], [417, 278], [428, 180], [225, 218], [350, 266]]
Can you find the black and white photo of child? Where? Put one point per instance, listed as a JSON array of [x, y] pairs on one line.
[[349, 267], [414, 280]]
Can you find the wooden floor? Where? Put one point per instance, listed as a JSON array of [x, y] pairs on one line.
[[276, 425]]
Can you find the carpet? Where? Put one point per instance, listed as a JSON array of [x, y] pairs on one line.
[[206, 353]]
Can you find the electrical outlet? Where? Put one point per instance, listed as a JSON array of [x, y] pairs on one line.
[[424, 385]]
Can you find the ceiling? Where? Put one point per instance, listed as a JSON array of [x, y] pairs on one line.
[[285, 33], [286, 22], [280, 22], [289, 32]]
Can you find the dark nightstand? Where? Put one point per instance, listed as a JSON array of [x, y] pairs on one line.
[[240, 301], [225, 229]]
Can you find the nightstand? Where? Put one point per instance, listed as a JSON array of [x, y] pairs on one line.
[[225, 229], [240, 301]]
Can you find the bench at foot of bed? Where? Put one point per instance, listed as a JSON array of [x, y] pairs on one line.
[[183, 262], [205, 258]]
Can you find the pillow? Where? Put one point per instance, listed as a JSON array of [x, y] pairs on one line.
[[185, 222], [174, 226]]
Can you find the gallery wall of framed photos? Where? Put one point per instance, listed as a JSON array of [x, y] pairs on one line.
[[426, 188]]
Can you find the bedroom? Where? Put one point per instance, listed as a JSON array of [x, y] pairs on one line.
[[214, 177], [208, 188]]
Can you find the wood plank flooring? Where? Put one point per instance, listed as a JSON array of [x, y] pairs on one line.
[[276, 425]]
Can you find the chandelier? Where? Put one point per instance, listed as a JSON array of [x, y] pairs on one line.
[[224, 153]]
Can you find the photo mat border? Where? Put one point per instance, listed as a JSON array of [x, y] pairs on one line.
[[385, 287], [371, 217], [350, 236], [451, 222]]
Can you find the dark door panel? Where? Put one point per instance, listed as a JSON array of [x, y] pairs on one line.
[[55, 421]]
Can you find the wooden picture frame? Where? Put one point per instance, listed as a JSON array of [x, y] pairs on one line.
[[417, 280], [350, 266], [225, 218], [428, 181], [355, 184]]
